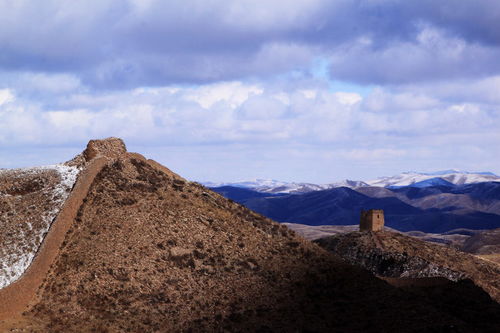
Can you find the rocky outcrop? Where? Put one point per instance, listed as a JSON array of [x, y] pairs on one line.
[[390, 264], [393, 255]]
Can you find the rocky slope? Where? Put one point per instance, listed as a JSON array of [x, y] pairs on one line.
[[487, 242], [30, 199], [394, 255], [136, 248], [485, 245]]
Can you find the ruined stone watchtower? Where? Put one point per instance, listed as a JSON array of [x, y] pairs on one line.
[[371, 220]]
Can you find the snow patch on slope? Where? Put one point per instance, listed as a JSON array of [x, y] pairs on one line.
[[21, 249]]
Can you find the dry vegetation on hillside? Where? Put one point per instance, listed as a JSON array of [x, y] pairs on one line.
[[149, 251]]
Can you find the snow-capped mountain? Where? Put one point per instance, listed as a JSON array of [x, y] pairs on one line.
[[415, 179], [418, 179], [349, 183], [275, 186], [256, 183], [272, 186], [308, 187]]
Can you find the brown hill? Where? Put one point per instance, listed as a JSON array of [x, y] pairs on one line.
[[393, 255], [486, 242], [138, 248], [485, 245], [454, 238]]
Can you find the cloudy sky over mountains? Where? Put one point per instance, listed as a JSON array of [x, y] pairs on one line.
[[304, 90]]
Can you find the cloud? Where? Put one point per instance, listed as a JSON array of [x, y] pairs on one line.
[[372, 154], [234, 93], [434, 55], [244, 112], [122, 45], [221, 112], [302, 85], [6, 96], [300, 124], [485, 91], [393, 101]]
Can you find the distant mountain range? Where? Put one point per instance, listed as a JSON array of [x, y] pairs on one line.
[[414, 179], [428, 202], [436, 178]]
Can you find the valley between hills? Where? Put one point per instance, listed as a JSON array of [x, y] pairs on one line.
[[111, 241]]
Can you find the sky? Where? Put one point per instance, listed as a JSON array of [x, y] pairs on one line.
[[305, 90]]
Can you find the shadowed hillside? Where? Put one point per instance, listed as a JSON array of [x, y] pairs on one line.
[[148, 251], [394, 255]]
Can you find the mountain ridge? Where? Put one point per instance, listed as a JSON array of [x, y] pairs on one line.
[[428, 209], [410, 178]]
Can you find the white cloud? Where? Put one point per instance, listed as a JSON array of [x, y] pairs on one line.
[[68, 120], [348, 98], [406, 127], [196, 73], [262, 107], [234, 93], [6, 96], [479, 91], [49, 83], [385, 100], [373, 154], [434, 55], [309, 93], [240, 111]]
